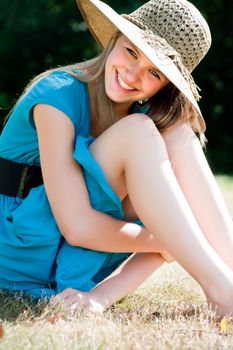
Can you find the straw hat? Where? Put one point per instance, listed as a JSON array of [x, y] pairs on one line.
[[171, 33]]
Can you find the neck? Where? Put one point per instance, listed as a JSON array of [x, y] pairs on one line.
[[121, 109]]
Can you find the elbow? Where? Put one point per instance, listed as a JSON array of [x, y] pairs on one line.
[[77, 235]]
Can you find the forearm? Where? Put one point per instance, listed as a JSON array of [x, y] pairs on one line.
[[127, 278], [104, 233], [123, 281]]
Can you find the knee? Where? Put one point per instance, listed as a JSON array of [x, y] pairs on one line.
[[139, 125], [179, 137], [138, 132]]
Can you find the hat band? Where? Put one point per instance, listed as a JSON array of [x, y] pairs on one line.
[[162, 48]]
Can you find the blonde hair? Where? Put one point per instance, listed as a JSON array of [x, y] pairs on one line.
[[166, 107], [169, 106]]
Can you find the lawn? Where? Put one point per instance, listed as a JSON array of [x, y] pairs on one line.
[[167, 312]]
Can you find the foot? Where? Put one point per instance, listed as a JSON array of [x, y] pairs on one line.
[[221, 302]]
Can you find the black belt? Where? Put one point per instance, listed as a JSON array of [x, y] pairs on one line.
[[16, 179]]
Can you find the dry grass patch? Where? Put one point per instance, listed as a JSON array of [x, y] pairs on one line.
[[168, 312], [165, 313]]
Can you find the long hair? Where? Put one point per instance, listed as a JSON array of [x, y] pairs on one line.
[[90, 71], [166, 107], [169, 105]]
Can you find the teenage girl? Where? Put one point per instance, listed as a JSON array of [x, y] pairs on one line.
[[117, 141]]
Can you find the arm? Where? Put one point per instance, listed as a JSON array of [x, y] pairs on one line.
[[79, 223], [126, 279]]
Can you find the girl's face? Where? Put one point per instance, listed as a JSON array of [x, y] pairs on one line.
[[129, 74]]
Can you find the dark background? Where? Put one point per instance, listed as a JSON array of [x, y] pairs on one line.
[[37, 35]]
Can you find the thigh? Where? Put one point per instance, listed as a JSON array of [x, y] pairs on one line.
[[110, 149]]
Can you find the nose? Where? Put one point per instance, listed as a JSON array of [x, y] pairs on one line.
[[133, 73]]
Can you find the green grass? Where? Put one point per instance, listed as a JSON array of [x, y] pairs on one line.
[[167, 312]]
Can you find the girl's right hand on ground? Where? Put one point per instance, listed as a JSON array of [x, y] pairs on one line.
[[71, 300]]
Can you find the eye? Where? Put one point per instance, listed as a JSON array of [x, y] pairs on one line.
[[155, 73], [131, 52]]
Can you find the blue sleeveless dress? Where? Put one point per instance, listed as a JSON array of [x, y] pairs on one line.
[[34, 257]]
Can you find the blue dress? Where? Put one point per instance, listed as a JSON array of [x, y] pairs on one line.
[[34, 257]]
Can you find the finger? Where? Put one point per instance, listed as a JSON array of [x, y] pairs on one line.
[[59, 299], [71, 301], [64, 294]]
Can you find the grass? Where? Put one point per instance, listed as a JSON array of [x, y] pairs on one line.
[[167, 312]]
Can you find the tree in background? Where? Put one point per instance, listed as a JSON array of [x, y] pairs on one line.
[[39, 35]]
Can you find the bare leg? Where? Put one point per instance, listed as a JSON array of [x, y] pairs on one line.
[[134, 157], [200, 189]]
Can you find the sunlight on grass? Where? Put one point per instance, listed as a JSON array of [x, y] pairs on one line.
[[167, 312]]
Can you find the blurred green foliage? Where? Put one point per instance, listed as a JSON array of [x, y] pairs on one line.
[[38, 35]]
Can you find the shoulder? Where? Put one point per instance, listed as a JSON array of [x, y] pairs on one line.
[[62, 91], [56, 83], [58, 79]]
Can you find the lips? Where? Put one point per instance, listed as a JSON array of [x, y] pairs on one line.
[[123, 84]]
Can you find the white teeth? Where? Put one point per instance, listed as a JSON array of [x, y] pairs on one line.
[[123, 83]]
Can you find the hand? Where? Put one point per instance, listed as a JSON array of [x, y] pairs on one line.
[[71, 300]]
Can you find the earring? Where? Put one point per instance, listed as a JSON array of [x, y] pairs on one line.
[[141, 102]]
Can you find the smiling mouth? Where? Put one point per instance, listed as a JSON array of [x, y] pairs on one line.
[[123, 84]]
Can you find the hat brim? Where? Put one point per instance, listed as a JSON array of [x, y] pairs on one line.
[[102, 21]]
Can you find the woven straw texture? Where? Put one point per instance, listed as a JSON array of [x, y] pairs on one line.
[[180, 23], [175, 30]]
